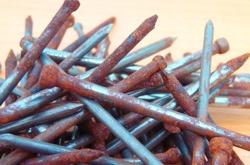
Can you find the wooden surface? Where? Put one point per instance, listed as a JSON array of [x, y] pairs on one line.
[[183, 19]]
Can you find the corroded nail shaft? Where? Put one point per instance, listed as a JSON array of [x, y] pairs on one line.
[[10, 64], [32, 55], [80, 156], [133, 39]]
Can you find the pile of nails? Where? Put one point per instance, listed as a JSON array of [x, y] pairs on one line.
[[85, 105]]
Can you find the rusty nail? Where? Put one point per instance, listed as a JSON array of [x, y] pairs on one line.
[[31, 56], [132, 40], [221, 149], [80, 156]]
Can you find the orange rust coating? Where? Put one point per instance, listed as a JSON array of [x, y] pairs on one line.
[[10, 64], [57, 39], [79, 156], [221, 149], [171, 156], [156, 80], [100, 133], [143, 74], [63, 13], [179, 93], [133, 39]]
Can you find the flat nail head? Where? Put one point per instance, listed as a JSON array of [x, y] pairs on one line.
[[49, 76], [73, 5], [222, 45]]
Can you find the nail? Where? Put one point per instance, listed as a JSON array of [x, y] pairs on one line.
[[171, 156], [48, 148], [57, 39], [10, 64], [32, 55], [133, 39], [19, 91], [28, 27], [202, 110], [31, 145], [52, 75], [80, 156], [178, 91], [79, 29], [82, 39], [221, 150]]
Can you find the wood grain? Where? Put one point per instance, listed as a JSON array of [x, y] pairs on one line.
[[183, 19]]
